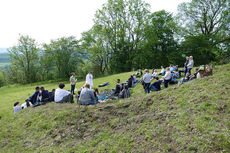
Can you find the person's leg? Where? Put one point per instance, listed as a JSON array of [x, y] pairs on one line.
[[72, 89], [147, 88], [166, 83], [185, 71], [68, 98], [154, 88], [189, 71]]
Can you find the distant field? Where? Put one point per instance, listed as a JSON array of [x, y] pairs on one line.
[[3, 65]]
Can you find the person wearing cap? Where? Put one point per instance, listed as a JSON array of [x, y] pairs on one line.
[[190, 65], [17, 108], [73, 81]]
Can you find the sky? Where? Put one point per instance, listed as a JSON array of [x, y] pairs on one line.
[[44, 20]]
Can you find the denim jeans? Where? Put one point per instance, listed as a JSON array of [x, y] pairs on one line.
[[72, 89]]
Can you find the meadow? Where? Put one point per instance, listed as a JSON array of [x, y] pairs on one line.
[[192, 118]]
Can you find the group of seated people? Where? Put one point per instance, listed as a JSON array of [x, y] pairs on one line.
[[169, 76], [40, 96]]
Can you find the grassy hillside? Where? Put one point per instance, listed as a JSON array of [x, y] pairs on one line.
[[192, 118]]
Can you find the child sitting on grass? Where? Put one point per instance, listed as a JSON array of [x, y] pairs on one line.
[[17, 108]]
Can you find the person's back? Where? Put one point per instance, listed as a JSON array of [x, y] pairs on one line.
[[62, 95], [157, 84], [87, 96], [44, 94]]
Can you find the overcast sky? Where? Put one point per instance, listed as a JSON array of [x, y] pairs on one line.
[[44, 20]]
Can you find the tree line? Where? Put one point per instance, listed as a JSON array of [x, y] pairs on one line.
[[127, 36]]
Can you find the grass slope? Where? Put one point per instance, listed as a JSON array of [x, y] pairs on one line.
[[192, 118]]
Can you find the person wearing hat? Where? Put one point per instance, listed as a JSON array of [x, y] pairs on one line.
[[190, 65]]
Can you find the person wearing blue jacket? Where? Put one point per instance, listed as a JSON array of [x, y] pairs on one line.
[[34, 99]]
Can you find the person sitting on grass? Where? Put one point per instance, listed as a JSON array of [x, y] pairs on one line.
[[156, 86], [34, 99], [17, 108], [87, 96], [26, 105], [125, 92], [96, 94], [172, 68], [130, 82], [51, 95], [155, 74], [62, 95], [185, 79], [44, 94], [134, 79], [167, 77], [118, 88], [162, 71], [194, 76], [78, 96], [147, 79]]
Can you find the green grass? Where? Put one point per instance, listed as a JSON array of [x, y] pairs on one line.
[[192, 118]]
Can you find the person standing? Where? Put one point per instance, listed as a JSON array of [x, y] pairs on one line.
[[147, 79], [73, 81], [89, 79], [190, 64]]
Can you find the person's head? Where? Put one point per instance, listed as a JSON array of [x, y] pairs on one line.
[[118, 80], [146, 71], [187, 58], [16, 104], [37, 88], [73, 73], [190, 57], [89, 73], [171, 65], [167, 69], [197, 69], [53, 90], [96, 91], [155, 70], [187, 74], [157, 78], [87, 85], [42, 88], [61, 85], [162, 67]]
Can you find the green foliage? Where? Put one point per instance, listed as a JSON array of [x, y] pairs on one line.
[[24, 61]]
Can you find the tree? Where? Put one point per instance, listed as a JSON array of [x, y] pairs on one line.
[[24, 60], [207, 21], [63, 56]]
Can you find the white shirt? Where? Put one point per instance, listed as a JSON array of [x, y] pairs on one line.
[[167, 75], [73, 80], [190, 64], [147, 78], [162, 70], [89, 79], [155, 74], [17, 109], [25, 106], [59, 94]]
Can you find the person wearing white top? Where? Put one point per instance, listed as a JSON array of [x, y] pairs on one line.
[[167, 77], [162, 71], [26, 104], [147, 79], [17, 108], [155, 73], [89, 79], [73, 81], [62, 95], [190, 64]]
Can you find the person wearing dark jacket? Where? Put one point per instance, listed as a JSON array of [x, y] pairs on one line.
[[34, 99], [44, 94], [51, 95], [156, 86]]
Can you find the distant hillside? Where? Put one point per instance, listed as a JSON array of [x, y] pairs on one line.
[[3, 50], [4, 58]]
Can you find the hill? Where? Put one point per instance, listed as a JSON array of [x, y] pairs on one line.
[[192, 118]]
